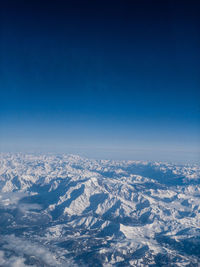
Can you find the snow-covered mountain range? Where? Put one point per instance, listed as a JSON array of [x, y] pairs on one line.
[[64, 210]]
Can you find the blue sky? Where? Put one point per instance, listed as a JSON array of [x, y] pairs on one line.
[[113, 79]]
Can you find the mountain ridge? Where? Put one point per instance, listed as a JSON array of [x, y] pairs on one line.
[[99, 212]]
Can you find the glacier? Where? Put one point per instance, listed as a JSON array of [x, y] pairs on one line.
[[67, 210]]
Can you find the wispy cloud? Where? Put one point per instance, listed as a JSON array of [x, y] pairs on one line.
[[12, 261], [23, 247]]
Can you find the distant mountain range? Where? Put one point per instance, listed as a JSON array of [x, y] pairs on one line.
[[64, 210]]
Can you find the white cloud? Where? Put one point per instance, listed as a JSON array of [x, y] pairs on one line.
[[13, 261], [25, 247]]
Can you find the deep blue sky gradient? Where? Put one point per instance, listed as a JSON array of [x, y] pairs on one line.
[[112, 79]]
